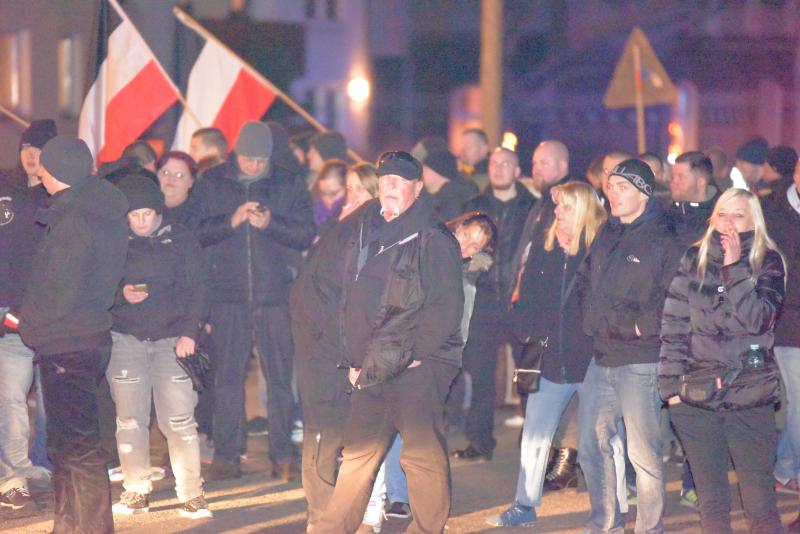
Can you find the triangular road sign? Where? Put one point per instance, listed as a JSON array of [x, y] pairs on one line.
[[657, 88]]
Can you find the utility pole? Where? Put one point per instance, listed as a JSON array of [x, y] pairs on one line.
[[492, 69]]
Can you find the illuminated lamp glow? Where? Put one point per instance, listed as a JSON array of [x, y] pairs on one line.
[[509, 141], [358, 89]]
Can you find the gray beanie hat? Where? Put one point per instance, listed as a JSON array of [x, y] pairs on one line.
[[255, 140], [68, 159]]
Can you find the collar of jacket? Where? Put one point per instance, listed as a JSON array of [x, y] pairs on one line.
[[653, 210], [163, 231], [233, 172], [712, 194], [415, 219], [715, 246]]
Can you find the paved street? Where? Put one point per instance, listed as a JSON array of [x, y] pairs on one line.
[[256, 503]]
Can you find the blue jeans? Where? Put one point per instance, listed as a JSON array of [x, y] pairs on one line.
[[542, 413], [39, 446], [16, 377], [608, 394], [137, 372], [787, 466], [396, 483]]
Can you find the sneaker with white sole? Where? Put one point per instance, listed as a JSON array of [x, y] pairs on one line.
[[515, 421], [373, 516], [196, 508], [132, 503], [516, 516], [17, 499]]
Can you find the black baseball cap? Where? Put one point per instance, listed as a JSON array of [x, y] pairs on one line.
[[399, 163]]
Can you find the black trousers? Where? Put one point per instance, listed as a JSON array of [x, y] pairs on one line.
[[480, 361], [413, 405], [324, 395], [750, 437], [235, 330], [80, 477]]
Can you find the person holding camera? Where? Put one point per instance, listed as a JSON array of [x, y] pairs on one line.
[[157, 314], [718, 371]]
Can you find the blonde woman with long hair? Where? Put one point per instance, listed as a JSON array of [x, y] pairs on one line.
[[547, 315], [717, 371]]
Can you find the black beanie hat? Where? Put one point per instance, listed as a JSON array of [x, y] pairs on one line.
[[330, 145], [442, 163], [38, 133], [783, 159], [428, 145], [254, 141], [67, 158], [638, 173], [141, 192], [754, 151]]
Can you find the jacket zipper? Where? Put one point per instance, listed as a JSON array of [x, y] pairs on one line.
[[561, 321]]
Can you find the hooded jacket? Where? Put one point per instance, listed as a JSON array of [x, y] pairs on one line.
[[77, 268], [403, 296], [248, 265], [170, 262], [711, 323], [624, 281]]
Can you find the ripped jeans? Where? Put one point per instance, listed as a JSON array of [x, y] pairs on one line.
[[137, 369]]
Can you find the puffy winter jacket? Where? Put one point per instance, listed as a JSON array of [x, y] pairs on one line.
[[710, 324]]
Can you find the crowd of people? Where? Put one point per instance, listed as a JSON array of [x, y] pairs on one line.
[[651, 309]]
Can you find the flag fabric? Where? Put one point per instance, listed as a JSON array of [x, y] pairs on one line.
[[130, 89], [222, 91]]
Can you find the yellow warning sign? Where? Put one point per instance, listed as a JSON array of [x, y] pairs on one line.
[[656, 86]]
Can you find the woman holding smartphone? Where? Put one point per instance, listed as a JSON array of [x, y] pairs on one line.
[[157, 314], [717, 371]]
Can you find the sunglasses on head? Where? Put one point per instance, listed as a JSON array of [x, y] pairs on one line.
[[395, 154]]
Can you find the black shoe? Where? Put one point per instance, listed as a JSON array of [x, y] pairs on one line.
[[399, 510], [471, 454], [223, 470], [564, 473], [257, 426], [18, 499]]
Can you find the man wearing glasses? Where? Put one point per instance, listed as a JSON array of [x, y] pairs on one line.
[[401, 313]]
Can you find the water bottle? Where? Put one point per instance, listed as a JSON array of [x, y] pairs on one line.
[[754, 358]]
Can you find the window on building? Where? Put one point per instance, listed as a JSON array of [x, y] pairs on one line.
[[332, 9], [15, 71], [70, 76]]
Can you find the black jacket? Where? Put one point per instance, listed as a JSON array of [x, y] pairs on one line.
[[403, 293], [495, 285], [549, 307], [170, 262], [77, 268], [248, 265], [448, 202], [19, 235], [783, 226], [711, 323], [624, 280], [690, 219]]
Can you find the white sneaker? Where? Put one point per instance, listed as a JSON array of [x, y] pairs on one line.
[[514, 422], [373, 516]]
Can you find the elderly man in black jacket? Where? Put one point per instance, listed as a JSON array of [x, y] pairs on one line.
[[65, 319], [401, 315], [624, 280], [254, 218]]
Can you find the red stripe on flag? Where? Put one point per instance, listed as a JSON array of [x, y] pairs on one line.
[[134, 108], [247, 100]]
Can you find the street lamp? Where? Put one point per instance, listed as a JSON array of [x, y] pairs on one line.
[[358, 89]]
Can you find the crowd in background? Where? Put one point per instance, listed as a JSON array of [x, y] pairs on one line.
[[651, 310]]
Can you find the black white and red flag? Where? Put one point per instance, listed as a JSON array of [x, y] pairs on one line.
[[129, 91]]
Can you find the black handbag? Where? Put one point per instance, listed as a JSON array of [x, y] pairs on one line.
[[198, 367], [706, 386], [529, 370]]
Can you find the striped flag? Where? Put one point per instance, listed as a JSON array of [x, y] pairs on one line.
[[130, 89], [222, 91]]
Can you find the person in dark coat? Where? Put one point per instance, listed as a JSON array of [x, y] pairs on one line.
[[65, 319], [401, 312], [508, 203], [782, 214], [254, 219], [693, 195], [445, 188], [176, 173], [624, 279], [21, 194], [717, 371], [545, 315]]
